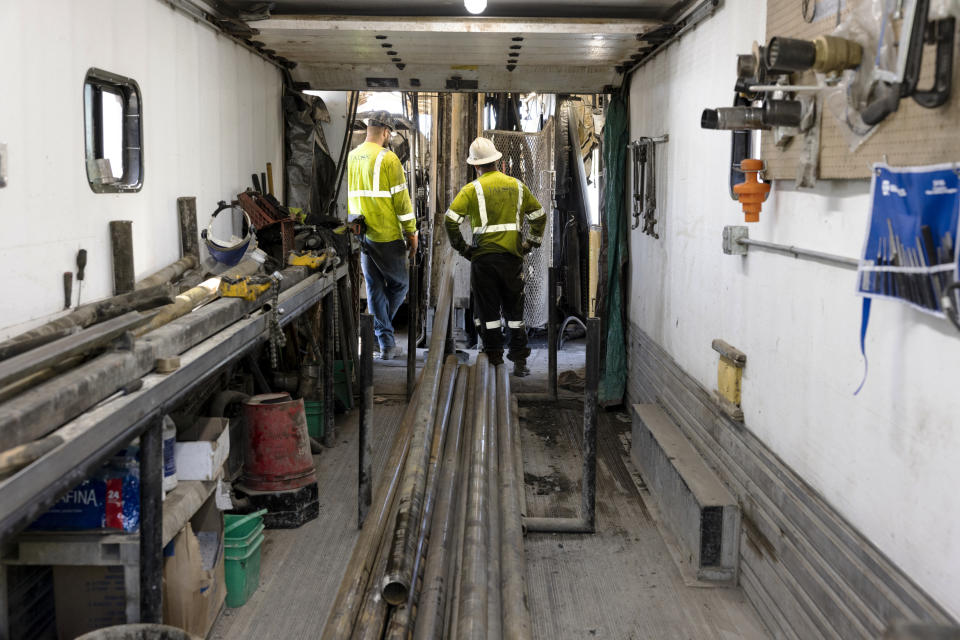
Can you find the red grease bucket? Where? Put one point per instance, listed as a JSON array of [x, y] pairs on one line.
[[277, 448]]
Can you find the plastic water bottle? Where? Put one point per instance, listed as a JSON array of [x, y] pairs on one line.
[[169, 460]]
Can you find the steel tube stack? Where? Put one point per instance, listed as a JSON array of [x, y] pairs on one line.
[[441, 552]]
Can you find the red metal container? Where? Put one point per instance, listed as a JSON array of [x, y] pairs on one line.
[[276, 448]]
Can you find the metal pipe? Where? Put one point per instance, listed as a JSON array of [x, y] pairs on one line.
[[796, 252], [513, 586], [586, 523], [399, 575], [552, 344], [169, 273], [350, 595], [494, 604], [472, 614], [399, 626], [412, 315], [517, 449], [454, 578], [589, 496], [151, 523], [365, 444], [430, 608], [329, 371]]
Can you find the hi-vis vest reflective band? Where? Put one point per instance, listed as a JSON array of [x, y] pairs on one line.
[[485, 226], [360, 193]]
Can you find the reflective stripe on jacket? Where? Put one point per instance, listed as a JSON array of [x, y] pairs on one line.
[[496, 205], [377, 190]]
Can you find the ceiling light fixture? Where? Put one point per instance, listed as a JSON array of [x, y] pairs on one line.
[[475, 6]]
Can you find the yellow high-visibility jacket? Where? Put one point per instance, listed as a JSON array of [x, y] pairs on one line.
[[496, 205], [377, 190]]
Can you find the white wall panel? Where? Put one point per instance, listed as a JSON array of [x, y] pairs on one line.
[[211, 117], [885, 459]]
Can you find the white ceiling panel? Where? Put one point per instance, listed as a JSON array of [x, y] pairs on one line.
[[500, 54]]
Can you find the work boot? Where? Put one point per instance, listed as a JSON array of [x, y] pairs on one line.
[[520, 369], [388, 353]]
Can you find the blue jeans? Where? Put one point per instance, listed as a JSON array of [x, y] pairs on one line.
[[385, 273]]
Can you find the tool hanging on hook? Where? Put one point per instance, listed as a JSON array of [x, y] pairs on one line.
[[644, 158]]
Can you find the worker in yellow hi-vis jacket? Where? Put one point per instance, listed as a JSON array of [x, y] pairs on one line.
[[495, 204], [377, 190]]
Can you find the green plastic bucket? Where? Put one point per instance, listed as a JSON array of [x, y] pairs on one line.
[[315, 418], [238, 527], [243, 574], [237, 547]]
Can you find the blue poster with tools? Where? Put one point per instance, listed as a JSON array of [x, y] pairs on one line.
[[910, 252]]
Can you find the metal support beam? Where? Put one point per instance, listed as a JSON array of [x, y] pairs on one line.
[[151, 523], [365, 446], [412, 305], [552, 337], [330, 424]]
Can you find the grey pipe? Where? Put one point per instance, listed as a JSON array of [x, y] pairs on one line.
[[452, 606], [513, 586], [517, 449], [399, 575], [365, 443], [494, 604], [472, 609], [552, 344], [797, 252], [434, 589]]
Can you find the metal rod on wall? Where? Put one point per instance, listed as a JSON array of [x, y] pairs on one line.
[[736, 240], [365, 446]]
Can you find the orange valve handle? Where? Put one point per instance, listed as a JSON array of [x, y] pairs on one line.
[[751, 192]]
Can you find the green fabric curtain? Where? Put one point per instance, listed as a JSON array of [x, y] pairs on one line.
[[614, 367]]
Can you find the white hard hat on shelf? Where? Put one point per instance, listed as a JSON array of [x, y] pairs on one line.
[[482, 151]]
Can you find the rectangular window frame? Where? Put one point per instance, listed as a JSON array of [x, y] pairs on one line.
[[95, 83]]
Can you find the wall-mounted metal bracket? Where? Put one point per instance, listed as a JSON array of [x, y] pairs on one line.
[[731, 240]]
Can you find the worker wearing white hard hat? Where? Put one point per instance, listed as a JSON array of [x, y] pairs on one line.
[[377, 191], [497, 206]]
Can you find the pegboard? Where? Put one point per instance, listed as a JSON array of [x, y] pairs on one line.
[[910, 136]]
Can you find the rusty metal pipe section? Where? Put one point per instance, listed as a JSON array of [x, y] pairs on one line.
[[472, 608], [365, 415], [346, 607], [513, 586], [586, 523], [430, 607], [494, 604], [449, 411], [399, 576]]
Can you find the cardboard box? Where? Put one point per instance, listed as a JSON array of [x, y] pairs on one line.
[[194, 584], [202, 449], [88, 598]]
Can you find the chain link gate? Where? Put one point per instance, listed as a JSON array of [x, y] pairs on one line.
[[530, 157]]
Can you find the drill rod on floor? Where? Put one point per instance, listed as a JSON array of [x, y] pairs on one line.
[[365, 445]]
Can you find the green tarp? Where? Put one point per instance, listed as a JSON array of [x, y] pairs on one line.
[[614, 367]]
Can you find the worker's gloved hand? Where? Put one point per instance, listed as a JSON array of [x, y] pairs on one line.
[[467, 253], [412, 241], [525, 247]]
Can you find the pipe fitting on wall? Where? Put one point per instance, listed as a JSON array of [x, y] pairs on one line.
[[826, 54]]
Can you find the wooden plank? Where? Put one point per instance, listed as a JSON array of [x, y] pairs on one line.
[[181, 504], [187, 214], [121, 244]]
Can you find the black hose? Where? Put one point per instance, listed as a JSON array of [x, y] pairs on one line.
[[563, 327], [344, 148]]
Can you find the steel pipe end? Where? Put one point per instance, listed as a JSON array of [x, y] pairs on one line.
[[395, 590]]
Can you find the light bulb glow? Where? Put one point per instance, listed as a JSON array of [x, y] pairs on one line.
[[475, 6]]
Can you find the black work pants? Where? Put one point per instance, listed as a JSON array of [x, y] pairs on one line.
[[497, 283]]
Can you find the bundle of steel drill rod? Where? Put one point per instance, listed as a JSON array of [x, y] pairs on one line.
[[440, 554]]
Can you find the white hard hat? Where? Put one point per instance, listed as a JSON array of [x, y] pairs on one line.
[[482, 151]]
